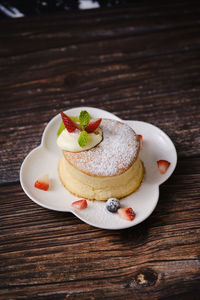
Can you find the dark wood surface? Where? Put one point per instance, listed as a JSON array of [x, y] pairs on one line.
[[140, 62]]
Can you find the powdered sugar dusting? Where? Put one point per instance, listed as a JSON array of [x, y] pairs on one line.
[[114, 155]]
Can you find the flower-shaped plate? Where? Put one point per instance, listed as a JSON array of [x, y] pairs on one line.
[[44, 159]]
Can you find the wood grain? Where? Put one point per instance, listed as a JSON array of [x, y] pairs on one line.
[[140, 62], [155, 76], [56, 253]]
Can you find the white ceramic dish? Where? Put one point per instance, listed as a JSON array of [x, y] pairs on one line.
[[44, 159]]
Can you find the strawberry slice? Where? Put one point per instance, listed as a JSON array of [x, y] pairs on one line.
[[80, 204], [70, 125], [141, 140], [91, 127], [126, 213], [163, 165], [42, 183]]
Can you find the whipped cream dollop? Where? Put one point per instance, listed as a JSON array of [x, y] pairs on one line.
[[69, 140]]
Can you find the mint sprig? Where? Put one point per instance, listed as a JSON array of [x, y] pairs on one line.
[[61, 128], [83, 139], [75, 119], [84, 119]]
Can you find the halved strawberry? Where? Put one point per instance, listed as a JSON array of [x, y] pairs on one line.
[[80, 204], [70, 125], [91, 127], [163, 165], [126, 213], [141, 140], [42, 183]]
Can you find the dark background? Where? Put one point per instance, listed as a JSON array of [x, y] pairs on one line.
[[36, 7]]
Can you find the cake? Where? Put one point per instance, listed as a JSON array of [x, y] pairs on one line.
[[110, 169]]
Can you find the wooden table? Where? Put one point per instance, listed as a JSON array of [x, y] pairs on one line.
[[141, 62]]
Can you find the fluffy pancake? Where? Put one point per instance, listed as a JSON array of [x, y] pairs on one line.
[[111, 169], [113, 156]]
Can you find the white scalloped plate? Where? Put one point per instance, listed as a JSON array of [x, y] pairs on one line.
[[44, 159]]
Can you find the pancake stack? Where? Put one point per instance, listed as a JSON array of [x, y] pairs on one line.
[[111, 169]]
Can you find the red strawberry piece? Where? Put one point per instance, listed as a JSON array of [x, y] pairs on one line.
[[80, 204], [42, 183], [91, 127], [163, 165], [141, 140], [70, 125], [126, 213]]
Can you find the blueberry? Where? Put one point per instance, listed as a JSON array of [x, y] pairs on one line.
[[112, 205]]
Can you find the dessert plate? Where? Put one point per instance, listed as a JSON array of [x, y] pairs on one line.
[[44, 159]]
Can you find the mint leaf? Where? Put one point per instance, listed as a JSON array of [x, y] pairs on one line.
[[84, 119], [61, 128], [75, 119], [83, 139]]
